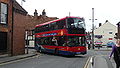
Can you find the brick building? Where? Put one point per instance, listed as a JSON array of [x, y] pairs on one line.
[[11, 28], [37, 19], [13, 23], [4, 24]]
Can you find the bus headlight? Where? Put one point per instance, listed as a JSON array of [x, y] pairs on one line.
[[78, 48]]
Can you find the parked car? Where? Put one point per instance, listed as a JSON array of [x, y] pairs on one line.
[[110, 44], [98, 43]]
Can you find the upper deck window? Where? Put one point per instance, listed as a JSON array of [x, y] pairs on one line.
[[3, 13], [52, 26], [75, 23]]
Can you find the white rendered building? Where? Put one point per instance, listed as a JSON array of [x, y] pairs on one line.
[[105, 33]]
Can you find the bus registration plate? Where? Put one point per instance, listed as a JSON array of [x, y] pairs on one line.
[[78, 52]]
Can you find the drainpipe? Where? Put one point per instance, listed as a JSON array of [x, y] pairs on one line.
[[12, 28]]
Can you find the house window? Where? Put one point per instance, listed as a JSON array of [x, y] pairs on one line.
[[3, 13], [110, 38], [98, 36], [110, 32]]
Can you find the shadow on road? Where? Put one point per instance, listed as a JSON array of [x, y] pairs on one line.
[[69, 56]]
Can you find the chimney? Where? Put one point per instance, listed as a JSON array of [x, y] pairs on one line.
[[106, 21], [100, 24], [35, 13], [43, 13]]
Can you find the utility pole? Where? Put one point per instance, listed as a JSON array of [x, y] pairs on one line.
[[92, 28], [92, 37], [69, 14]]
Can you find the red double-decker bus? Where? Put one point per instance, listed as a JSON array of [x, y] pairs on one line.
[[65, 36]]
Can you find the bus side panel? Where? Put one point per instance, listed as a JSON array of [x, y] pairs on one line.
[[78, 50], [49, 49], [64, 50]]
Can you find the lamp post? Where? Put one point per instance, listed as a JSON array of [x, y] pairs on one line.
[[93, 28]]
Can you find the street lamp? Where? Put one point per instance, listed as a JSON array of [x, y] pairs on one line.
[[93, 28]]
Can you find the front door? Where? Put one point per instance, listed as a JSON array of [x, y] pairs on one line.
[[3, 41]]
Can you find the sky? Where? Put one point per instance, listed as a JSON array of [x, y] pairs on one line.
[[103, 9]]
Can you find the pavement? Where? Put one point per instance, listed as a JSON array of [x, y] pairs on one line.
[[6, 58], [101, 61]]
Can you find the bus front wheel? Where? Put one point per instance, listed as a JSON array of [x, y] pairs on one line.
[[40, 50]]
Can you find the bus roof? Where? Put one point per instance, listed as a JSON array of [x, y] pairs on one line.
[[54, 21]]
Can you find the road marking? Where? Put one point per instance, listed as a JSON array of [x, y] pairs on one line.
[[14, 61], [86, 64], [101, 55]]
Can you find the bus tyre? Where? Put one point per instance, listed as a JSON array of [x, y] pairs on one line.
[[40, 50]]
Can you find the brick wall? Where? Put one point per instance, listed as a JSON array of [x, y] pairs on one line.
[[18, 34]]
